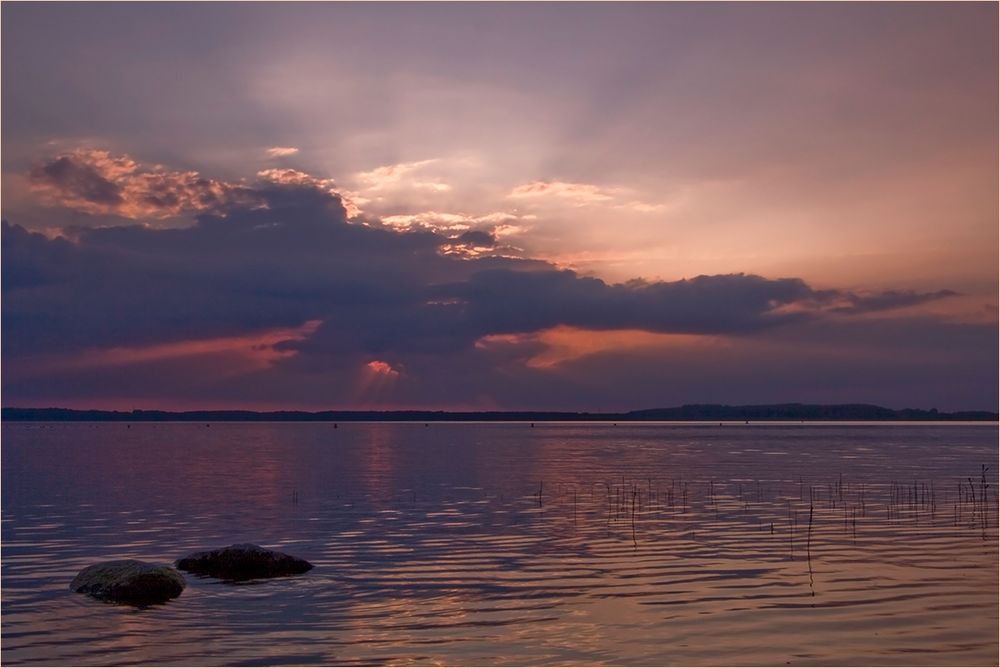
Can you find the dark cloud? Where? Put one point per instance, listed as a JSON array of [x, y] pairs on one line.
[[477, 238], [78, 180], [891, 299], [512, 301], [285, 254]]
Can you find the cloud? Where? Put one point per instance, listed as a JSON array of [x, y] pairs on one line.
[[467, 235], [550, 348], [386, 175], [449, 222], [478, 237], [298, 260], [352, 202], [511, 301], [293, 177], [582, 194], [400, 177], [380, 368], [281, 151], [890, 300], [643, 207], [96, 182], [257, 350], [436, 186], [508, 230], [579, 193], [283, 266]]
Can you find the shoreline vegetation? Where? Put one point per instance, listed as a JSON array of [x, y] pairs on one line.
[[690, 412]]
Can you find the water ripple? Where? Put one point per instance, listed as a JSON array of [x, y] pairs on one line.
[[496, 544]]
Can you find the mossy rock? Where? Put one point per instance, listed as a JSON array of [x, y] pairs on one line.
[[129, 581], [243, 562]]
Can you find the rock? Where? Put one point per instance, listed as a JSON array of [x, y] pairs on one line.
[[243, 562], [129, 581]]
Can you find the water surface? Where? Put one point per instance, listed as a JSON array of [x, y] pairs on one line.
[[651, 544]]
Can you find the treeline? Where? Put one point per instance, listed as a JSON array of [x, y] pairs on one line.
[[803, 412], [693, 412]]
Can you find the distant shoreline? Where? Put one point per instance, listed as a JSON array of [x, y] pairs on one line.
[[687, 413]]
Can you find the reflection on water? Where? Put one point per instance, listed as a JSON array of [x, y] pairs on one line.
[[503, 544]]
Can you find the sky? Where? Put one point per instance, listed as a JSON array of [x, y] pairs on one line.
[[554, 206]]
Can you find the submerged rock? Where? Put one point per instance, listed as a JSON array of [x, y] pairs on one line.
[[129, 581], [243, 562]]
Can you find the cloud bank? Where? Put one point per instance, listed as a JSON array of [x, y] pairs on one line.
[[275, 297]]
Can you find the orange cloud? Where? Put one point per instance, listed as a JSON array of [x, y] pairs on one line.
[[258, 350], [292, 177], [375, 383], [380, 368], [96, 182], [565, 344], [456, 222]]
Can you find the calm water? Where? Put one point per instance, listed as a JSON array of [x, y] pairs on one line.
[[648, 545]]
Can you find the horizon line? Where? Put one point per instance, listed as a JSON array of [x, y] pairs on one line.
[[685, 412]]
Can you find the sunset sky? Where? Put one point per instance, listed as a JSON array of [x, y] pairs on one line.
[[499, 206]]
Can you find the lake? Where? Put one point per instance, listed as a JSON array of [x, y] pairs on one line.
[[507, 544]]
